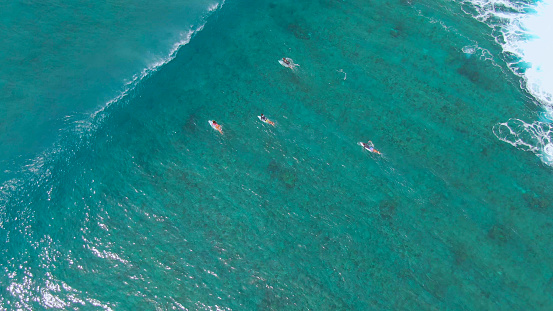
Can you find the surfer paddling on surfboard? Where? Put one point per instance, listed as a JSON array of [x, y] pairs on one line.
[[287, 62], [265, 120], [216, 126], [369, 146]]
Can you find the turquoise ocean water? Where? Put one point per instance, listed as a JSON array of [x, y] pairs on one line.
[[117, 195]]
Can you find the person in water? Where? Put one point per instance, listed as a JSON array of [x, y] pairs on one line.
[[264, 119], [370, 146], [217, 126]]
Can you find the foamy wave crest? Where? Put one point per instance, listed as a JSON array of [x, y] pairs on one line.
[[536, 137], [215, 6], [131, 84], [42, 174], [185, 38], [79, 129], [524, 30]]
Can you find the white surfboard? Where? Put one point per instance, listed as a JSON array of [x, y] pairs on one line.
[[291, 64], [266, 121], [373, 151], [219, 128]]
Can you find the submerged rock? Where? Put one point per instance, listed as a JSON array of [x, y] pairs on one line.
[[299, 32], [387, 209], [286, 175]]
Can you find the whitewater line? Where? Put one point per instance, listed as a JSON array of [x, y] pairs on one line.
[[137, 78], [36, 170], [525, 31]]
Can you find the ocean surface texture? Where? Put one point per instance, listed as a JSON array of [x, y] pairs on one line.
[[116, 194]]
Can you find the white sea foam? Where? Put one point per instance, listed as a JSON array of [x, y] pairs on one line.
[[525, 32], [469, 49], [215, 6], [538, 51], [536, 137]]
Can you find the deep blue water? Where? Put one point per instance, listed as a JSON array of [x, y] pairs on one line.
[[117, 194]]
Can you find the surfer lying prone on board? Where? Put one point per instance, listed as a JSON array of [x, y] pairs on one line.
[[265, 120], [287, 62], [216, 126], [369, 146]]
